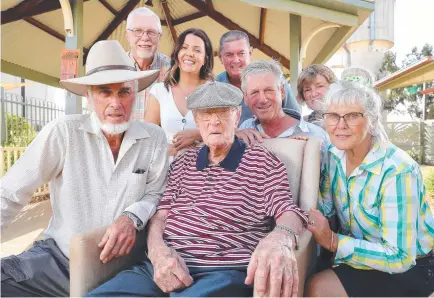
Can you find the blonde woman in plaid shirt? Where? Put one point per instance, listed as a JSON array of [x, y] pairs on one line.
[[384, 245]]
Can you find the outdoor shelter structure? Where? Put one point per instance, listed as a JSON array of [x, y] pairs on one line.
[[295, 32], [417, 73]]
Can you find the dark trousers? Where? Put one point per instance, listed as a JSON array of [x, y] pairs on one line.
[[43, 270], [208, 282]]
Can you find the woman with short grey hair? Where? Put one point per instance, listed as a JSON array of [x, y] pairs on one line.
[[384, 246]]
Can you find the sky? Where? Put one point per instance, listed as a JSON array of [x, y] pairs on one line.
[[414, 25]]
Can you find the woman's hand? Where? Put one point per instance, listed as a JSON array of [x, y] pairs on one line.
[[185, 138], [319, 226]]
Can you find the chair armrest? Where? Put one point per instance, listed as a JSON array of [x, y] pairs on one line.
[[86, 269], [305, 256]]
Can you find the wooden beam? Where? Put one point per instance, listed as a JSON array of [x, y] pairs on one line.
[[188, 18], [149, 3], [335, 42], [310, 10], [29, 74], [210, 5], [44, 28], [48, 30], [230, 25], [168, 18], [109, 7], [121, 16], [29, 8], [262, 25]]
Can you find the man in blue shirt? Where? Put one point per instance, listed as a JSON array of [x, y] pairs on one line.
[[235, 53]]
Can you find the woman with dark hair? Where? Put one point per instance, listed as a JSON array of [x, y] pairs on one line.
[[191, 65]]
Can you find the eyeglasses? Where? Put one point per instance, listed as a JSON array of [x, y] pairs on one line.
[[137, 32], [351, 119], [206, 116]]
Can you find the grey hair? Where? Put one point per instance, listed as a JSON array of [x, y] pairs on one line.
[[261, 67], [352, 93], [143, 11], [232, 36]]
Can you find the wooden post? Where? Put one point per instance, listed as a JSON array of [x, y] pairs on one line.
[[73, 104], [294, 48]]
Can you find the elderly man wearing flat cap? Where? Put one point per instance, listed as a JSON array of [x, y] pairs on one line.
[[103, 169], [213, 232]]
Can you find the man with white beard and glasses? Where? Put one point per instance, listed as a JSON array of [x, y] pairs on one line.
[[103, 169]]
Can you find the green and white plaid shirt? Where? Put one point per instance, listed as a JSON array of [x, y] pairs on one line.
[[385, 219]]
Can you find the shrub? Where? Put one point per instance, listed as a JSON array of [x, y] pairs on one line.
[[20, 132]]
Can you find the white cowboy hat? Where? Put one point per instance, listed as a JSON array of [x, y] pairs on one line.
[[108, 63]]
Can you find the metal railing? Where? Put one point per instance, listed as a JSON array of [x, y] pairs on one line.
[[414, 137], [22, 118]]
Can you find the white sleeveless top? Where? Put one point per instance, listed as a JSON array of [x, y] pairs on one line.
[[171, 119]]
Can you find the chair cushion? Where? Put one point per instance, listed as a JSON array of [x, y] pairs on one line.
[[291, 153]]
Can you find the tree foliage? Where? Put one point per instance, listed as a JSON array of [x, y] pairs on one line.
[[413, 102], [20, 132]]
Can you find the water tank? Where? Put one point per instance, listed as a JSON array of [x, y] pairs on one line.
[[366, 47]]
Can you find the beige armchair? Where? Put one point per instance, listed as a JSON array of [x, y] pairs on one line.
[[302, 161]]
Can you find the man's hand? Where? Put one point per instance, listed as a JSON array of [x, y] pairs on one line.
[[185, 138], [273, 267], [118, 239], [170, 271], [251, 136]]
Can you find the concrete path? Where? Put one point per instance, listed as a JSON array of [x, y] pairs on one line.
[[27, 226]]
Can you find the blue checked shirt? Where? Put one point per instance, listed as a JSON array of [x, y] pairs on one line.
[[385, 219]]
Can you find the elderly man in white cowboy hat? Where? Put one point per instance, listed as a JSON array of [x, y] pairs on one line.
[[213, 233], [103, 170]]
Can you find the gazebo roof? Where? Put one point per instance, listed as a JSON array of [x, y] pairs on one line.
[[417, 73], [33, 33]]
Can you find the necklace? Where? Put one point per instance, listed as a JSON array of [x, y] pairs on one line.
[[184, 94]]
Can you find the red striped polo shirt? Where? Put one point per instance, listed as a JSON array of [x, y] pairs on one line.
[[218, 214]]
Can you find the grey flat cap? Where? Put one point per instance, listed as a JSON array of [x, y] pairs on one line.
[[214, 95]]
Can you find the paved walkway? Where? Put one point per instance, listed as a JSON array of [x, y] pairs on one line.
[[27, 226]]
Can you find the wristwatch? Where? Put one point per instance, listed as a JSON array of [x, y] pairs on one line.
[[291, 231], [138, 224]]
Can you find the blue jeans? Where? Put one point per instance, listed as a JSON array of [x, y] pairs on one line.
[[43, 270], [208, 282]]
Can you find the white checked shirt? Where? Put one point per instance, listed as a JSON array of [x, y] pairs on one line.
[[87, 188]]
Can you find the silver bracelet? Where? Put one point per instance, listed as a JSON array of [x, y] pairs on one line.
[[291, 231]]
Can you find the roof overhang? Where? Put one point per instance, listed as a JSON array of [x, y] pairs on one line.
[[417, 73], [33, 31]]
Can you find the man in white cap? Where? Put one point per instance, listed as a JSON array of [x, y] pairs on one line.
[[213, 233], [103, 170]]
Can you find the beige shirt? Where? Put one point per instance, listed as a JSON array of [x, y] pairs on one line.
[[87, 188]]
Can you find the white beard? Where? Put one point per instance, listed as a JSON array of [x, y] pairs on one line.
[[111, 128]]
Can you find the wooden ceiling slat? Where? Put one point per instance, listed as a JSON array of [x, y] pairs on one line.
[[230, 25]]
